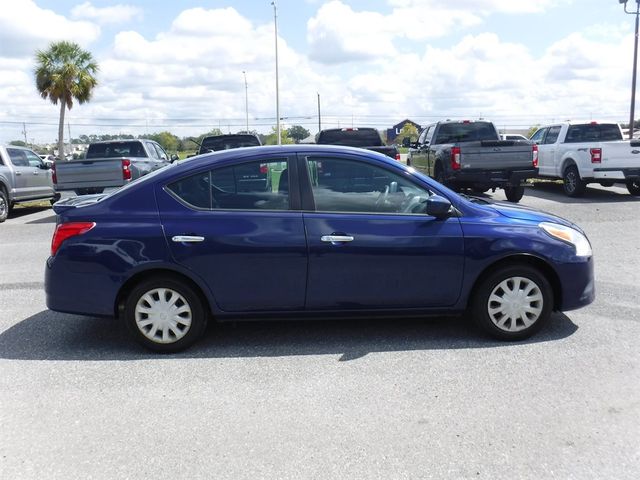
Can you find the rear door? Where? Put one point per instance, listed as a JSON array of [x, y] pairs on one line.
[[370, 245], [244, 241]]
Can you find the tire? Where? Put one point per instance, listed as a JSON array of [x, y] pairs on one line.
[[573, 185], [165, 314], [4, 205], [438, 174], [514, 193], [512, 303], [634, 187]]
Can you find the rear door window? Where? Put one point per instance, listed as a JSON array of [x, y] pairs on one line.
[[552, 135], [258, 185]]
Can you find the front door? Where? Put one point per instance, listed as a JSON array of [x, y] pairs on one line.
[[372, 246]]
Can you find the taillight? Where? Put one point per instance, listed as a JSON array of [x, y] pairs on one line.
[[398, 157], [455, 158], [67, 230], [264, 169], [596, 155], [535, 156], [54, 177], [126, 169]]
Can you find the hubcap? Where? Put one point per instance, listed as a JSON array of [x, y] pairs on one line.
[[515, 304], [3, 207], [163, 315], [570, 181]]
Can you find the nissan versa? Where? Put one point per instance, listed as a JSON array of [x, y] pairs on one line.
[[308, 231]]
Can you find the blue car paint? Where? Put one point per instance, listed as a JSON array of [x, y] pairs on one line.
[[298, 275]]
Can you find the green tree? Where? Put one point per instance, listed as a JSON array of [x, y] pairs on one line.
[[64, 73], [167, 140], [532, 130], [272, 138], [408, 131], [298, 133], [18, 143]]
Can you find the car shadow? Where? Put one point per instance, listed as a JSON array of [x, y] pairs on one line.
[[54, 336], [22, 211], [554, 191]]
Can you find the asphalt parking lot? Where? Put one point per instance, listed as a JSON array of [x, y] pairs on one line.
[[340, 399]]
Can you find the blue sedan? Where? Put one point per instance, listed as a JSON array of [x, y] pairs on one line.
[[308, 231]]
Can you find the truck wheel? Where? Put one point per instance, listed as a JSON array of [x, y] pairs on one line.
[[573, 185], [4, 205], [513, 302], [514, 193], [634, 187]]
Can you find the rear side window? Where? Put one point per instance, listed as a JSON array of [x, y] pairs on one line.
[[593, 132], [18, 157], [465, 132], [248, 186]]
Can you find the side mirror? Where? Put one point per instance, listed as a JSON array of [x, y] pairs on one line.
[[174, 158], [438, 206], [406, 142], [45, 165]]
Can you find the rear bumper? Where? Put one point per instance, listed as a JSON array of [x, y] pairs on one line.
[[616, 173], [492, 178]]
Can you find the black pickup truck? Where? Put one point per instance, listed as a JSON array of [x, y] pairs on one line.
[[367, 138], [470, 154]]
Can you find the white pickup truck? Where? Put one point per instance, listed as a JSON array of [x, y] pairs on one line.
[[582, 153]]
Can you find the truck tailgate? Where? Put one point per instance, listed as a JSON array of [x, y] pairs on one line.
[[499, 155], [87, 173], [620, 154]]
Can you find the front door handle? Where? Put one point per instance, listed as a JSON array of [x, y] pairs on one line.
[[337, 238], [187, 239]]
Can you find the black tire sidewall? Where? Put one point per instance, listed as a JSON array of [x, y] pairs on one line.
[[579, 184], [482, 293], [7, 206], [633, 186], [199, 316], [514, 193]]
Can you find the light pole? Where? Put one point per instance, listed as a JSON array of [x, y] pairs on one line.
[[246, 99], [275, 22], [635, 65]]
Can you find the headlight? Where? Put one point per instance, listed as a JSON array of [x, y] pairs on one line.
[[569, 235]]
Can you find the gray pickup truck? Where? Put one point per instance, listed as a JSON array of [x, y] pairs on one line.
[[470, 154], [24, 176], [108, 164], [367, 138]]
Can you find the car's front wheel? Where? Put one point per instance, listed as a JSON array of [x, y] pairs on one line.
[[165, 314], [4, 205], [513, 302]]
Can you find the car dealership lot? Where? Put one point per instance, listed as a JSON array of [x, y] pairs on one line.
[[384, 399]]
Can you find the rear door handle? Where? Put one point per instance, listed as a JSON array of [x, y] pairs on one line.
[[187, 239], [337, 238]]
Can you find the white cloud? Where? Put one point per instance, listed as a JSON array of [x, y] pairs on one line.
[[116, 14], [26, 27]]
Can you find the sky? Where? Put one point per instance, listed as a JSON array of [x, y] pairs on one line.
[[181, 66]]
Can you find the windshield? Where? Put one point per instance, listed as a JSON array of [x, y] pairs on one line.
[[364, 137]]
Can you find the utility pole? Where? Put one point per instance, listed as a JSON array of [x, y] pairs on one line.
[[246, 99], [319, 121], [24, 132], [635, 66], [275, 22]]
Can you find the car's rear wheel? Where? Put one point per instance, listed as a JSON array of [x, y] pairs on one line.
[[165, 314], [4, 205], [513, 302], [573, 185], [634, 187], [514, 193]]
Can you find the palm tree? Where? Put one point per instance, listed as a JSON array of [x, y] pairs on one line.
[[65, 72]]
